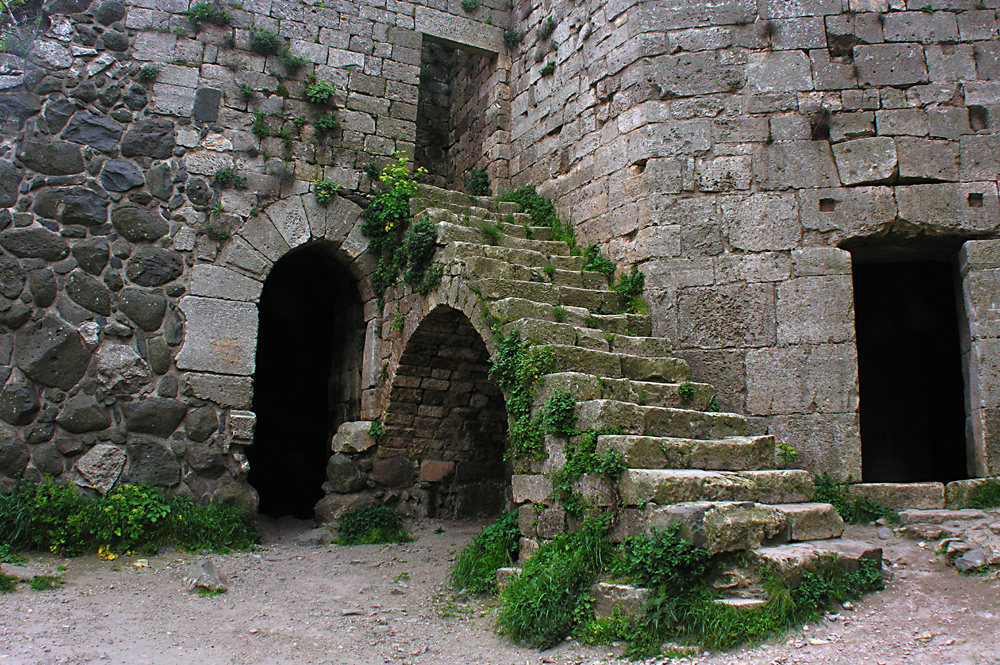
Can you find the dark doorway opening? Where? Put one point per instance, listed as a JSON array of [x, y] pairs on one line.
[[449, 420], [307, 378], [912, 389]]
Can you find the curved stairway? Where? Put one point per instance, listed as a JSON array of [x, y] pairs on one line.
[[684, 464]]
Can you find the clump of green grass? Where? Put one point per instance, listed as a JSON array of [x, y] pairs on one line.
[[544, 604], [7, 555], [542, 211], [492, 232], [264, 42], [477, 183], [629, 288], [596, 262], [8, 583], [854, 511], [475, 569], [206, 12], [984, 495], [147, 74], [45, 583], [371, 526]]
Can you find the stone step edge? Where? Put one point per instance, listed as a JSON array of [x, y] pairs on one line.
[[737, 453]]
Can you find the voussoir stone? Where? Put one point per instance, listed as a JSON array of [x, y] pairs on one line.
[[154, 415], [153, 266], [35, 243], [51, 352], [139, 224]]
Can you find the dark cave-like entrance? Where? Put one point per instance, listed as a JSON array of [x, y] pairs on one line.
[[307, 378], [912, 390], [448, 420]]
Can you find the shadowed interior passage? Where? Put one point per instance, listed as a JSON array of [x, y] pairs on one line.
[[307, 378]]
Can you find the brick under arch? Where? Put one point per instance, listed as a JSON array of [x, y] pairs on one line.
[[447, 419]]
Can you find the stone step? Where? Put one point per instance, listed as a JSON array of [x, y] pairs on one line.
[[606, 414], [958, 492], [618, 366], [483, 267], [729, 526], [513, 308], [449, 232], [900, 496], [459, 251], [739, 604], [638, 487], [790, 562], [551, 294], [744, 453], [517, 225], [553, 332], [644, 393]]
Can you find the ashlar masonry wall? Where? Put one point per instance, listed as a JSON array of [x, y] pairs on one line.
[[733, 149]]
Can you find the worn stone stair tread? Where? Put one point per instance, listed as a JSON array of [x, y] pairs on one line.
[[529, 258], [617, 365], [940, 516], [449, 232], [638, 487], [742, 453], [542, 292], [719, 526], [606, 414], [629, 600], [811, 521], [478, 267], [790, 561], [900, 496], [644, 393]]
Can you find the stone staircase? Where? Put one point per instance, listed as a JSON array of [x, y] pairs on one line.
[[685, 464]]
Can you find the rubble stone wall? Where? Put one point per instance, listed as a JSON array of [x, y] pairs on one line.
[[734, 149]]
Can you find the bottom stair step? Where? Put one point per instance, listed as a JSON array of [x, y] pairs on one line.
[[664, 486], [790, 562], [728, 526]]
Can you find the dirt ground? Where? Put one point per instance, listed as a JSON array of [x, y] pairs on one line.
[[391, 604]]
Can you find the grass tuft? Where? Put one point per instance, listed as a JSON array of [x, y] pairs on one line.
[[475, 569], [372, 526]]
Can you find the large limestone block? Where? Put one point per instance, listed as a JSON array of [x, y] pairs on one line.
[[744, 219], [459, 31], [217, 282], [796, 164], [779, 71], [853, 211], [866, 160], [724, 526], [289, 218], [221, 336], [790, 562], [890, 64], [802, 378], [101, 467], [900, 496], [811, 521], [811, 435], [951, 206], [229, 391], [816, 310]]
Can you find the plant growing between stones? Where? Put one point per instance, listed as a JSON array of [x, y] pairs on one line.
[[246, 92], [320, 92], [854, 511], [559, 413], [511, 38], [470, 5], [686, 391], [984, 495], [713, 406], [477, 183], [542, 211], [264, 42], [559, 313], [259, 126], [492, 232], [207, 12], [216, 232], [324, 191], [547, 27], [376, 430], [548, 69], [326, 124], [629, 288], [293, 63], [516, 368], [787, 454], [419, 246], [596, 262], [147, 74], [228, 177]]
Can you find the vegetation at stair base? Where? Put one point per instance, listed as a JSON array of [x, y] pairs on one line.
[[372, 526], [860, 510], [551, 599], [50, 516], [398, 244], [984, 495]]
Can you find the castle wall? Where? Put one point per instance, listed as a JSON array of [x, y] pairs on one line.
[[733, 149]]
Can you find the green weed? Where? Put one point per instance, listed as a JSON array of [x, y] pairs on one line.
[[371, 526], [205, 12], [559, 413], [264, 42], [598, 263], [376, 430], [45, 583], [475, 569], [492, 232], [320, 92], [984, 495], [629, 288], [324, 191], [8, 583], [259, 126], [854, 511], [7, 555], [478, 182], [228, 177], [147, 74], [210, 593], [516, 368], [686, 391]]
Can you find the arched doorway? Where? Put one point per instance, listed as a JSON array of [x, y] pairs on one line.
[[307, 379], [448, 420]]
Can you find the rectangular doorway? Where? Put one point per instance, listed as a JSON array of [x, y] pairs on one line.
[[912, 390]]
